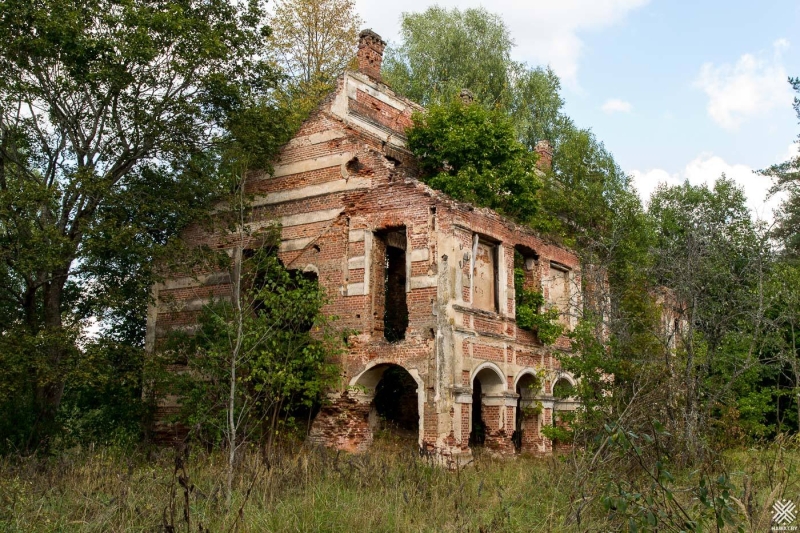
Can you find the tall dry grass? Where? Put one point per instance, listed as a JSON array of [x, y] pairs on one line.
[[391, 488]]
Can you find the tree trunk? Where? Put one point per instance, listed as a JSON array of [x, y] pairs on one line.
[[50, 386]]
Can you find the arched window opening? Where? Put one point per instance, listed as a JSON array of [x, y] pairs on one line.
[[486, 386], [528, 410]]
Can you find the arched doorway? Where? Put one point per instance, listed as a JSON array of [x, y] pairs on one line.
[[396, 402], [528, 413], [564, 406], [487, 406], [394, 407]]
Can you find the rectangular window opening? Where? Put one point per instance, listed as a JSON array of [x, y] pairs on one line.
[[560, 290], [526, 270], [389, 264], [485, 291]]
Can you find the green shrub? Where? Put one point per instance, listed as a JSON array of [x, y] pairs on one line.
[[471, 154], [529, 312]]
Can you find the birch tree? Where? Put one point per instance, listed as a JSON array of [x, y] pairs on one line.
[[315, 40]]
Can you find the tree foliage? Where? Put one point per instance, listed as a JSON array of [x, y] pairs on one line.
[[787, 179], [531, 313], [284, 345], [711, 258], [444, 51], [314, 40], [114, 122], [471, 154]]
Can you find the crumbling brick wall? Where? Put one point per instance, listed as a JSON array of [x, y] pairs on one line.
[[336, 189]]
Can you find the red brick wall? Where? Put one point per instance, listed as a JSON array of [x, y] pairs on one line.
[[393, 199]]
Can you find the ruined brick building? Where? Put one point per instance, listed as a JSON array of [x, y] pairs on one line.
[[427, 282]]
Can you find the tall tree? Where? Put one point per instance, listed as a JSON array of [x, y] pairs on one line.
[[444, 51], [315, 40], [110, 118], [711, 257], [787, 176]]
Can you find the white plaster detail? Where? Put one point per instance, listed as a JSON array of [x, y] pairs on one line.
[[308, 165], [315, 138], [423, 282], [297, 220], [420, 254], [292, 245], [356, 262], [310, 218], [494, 368], [502, 281], [188, 282], [565, 375], [523, 372], [463, 397], [367, 261], [356, 235], [355, 289], [499, 400], [472, 268], [311, 191], [379, 95], [341, 107]]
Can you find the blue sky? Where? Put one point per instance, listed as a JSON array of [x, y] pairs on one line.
[[676, 90]]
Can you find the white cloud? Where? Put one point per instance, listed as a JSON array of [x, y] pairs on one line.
[[647, 181], [615, 105], [707, 168], [545, 32], [792, 151], [754, 85]]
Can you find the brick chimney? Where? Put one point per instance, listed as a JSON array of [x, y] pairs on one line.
[[545, 151], [370, 54]]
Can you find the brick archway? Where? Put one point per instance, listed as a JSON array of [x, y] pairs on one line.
[[351, 419], [529, 413], [491, 413]]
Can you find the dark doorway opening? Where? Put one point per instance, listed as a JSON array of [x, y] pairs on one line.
[[487, 407], [478, 434], [396, 400], [518, 416]]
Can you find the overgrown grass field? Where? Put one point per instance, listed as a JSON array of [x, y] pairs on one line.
[[389, 489]]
